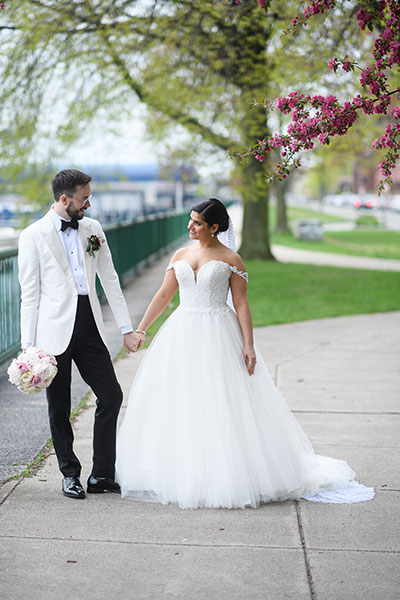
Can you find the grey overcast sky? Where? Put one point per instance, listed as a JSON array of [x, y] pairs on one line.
[[98, 148]]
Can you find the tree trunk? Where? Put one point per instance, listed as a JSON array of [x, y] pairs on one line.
[[255, 229], [254, 188], [282, 225]]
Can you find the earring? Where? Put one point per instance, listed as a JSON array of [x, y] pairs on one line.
[[212, 235]]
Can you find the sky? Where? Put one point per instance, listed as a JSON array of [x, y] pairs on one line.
[[131, 146], [99, 148]]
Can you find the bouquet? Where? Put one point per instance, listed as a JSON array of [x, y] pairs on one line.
[[32, 370]]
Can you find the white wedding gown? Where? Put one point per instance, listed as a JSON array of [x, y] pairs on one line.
[[200, 432]]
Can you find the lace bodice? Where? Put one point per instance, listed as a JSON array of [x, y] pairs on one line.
[[207, 289]]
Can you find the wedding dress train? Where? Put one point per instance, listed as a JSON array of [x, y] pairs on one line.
[[200, 432]]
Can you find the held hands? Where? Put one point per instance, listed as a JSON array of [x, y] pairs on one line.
[[133, 341], [249, 358]]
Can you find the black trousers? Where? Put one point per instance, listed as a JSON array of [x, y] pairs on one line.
[[93, 360]]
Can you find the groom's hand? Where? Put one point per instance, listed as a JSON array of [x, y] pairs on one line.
[[132, 341]]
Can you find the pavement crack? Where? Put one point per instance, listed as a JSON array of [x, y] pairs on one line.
[[355, 550], [150, 543], [11, 491], [313, 594]]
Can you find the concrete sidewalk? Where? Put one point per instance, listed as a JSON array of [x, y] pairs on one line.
[[309, 257], [341, 378], [24, 426]]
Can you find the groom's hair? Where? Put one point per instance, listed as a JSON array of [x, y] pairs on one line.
[[66, 181]]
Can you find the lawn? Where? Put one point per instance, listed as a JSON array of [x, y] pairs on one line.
[[285, 293], [294, 212], [377, 244]]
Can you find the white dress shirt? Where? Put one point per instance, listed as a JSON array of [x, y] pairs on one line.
[[73, 249]]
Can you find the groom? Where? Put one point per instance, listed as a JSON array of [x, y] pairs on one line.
[[59, 257]]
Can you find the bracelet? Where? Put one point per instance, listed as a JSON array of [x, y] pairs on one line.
[[140, 331]]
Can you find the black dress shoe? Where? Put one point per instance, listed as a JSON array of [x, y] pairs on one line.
[[99, 485], [72, 487]]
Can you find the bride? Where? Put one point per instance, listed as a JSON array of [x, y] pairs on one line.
[[205, 425]]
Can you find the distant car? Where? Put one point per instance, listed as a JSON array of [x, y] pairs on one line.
[[366, 201], [333, 200], [348, 198], [338, 200]]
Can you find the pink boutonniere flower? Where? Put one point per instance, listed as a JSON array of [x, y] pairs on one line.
[[94, 243]]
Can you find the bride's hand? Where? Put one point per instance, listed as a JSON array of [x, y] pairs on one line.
[[249, 358], [133, 341]]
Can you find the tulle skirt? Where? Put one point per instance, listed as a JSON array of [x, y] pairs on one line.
[[200, 432]]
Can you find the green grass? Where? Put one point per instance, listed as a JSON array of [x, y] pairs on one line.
[[80, 407], [294, 212], [377, 244], [152, 330], [34, 465], [285, 293]]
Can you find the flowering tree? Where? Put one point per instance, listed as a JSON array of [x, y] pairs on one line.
[[319, 118], [198, 65]]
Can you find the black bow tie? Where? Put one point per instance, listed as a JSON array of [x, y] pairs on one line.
[[65, 224]]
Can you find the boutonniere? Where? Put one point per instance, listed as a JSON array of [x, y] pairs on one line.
[[94, 243]]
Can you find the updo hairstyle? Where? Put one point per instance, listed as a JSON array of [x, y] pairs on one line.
[[213, 212]]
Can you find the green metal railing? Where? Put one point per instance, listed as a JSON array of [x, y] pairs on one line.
[[9, 305], [130, 246]]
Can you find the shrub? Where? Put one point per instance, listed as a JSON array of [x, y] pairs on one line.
[[369, 220]]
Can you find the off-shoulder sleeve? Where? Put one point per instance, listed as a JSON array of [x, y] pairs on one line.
[[242, 274], [171, 266]]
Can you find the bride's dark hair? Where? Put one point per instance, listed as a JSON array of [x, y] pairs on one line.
[[213, 211]]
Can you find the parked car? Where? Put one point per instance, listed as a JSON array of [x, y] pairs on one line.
[[343, 199], [366, 201]]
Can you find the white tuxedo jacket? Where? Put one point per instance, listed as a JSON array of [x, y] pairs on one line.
[[49, 295]]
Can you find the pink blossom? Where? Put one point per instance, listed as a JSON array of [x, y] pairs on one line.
[[318, 6], [387, 34], [395, 112], [318, 118], [347, 66], [363, 18], [332, 64]]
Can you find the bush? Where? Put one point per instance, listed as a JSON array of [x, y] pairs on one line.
[[367, 220]]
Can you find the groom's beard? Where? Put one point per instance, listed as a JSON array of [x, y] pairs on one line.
[[75, 213]]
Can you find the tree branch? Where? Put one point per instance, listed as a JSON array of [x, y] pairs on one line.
[[178, 116]]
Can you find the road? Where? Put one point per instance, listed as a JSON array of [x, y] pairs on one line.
[[387, 218]]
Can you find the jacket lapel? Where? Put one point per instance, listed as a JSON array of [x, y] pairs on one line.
[[52, 240], [84, 233]]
